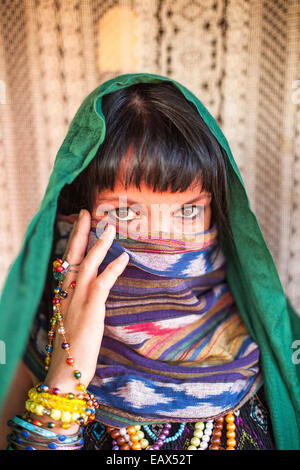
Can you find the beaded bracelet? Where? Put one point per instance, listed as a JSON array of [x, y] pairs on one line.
[[55, 395], [58, 406], [24, 432], [50, 424], [24, 443], [30, 427], [49, 401], [63, 406], [65, 416], [24, 436], [27, 429]]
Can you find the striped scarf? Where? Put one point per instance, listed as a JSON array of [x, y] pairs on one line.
[[174, 346]]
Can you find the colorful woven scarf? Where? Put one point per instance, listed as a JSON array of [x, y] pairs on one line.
[[174, 347]]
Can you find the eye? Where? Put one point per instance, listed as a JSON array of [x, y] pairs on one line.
[[190, 212], [122, 213]]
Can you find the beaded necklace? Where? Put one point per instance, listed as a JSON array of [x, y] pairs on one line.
[[206, 435]]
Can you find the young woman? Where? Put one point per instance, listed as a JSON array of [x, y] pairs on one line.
[[185, 340]]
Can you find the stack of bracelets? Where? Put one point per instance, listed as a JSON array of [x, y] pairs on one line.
[[26, 434], [64, 409]]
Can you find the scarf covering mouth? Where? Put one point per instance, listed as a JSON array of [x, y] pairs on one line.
[[251, 273], [174, 346]]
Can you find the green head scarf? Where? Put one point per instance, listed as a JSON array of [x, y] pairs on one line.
[[251, 272]]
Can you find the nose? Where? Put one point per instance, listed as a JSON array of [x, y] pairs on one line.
[[160, 220]]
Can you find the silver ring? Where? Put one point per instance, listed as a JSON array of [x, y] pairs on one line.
[[65, 264]]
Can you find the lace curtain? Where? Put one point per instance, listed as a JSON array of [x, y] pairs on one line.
[[240, 57]]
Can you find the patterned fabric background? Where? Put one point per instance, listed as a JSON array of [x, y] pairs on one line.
[[240, 57]]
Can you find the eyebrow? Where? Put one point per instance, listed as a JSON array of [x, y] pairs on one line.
[[137, 202]]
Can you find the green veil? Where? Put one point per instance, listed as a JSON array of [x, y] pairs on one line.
[[251, 273]]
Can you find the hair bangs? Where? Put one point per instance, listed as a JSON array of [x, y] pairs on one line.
[[154, 152]]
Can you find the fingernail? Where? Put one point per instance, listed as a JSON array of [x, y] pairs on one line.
[[80, 214], [109, 229], [124, 256]]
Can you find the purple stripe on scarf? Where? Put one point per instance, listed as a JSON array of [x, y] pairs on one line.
[[136, 358], [158, 315], [164, 296], [113, 370]]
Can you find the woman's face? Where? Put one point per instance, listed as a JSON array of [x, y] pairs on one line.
[[147, 211]]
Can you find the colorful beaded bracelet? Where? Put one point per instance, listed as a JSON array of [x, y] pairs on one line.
[[59, 402], [68, 408], [51, 446], [58, 415], [30, 427], [55, 395], [24, 436], [27, 429]]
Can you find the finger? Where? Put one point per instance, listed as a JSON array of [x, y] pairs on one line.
[[89, 267], [74, 252], [71, 234], [106, 280], [77, 242]]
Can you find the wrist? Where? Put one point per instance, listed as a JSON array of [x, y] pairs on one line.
[[58, 379]]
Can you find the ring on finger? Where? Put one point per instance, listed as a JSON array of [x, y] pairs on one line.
[[61, 267]]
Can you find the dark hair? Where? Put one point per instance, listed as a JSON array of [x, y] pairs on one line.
[[171, 146]]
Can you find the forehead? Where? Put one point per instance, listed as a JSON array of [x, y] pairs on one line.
[[147, 195]]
